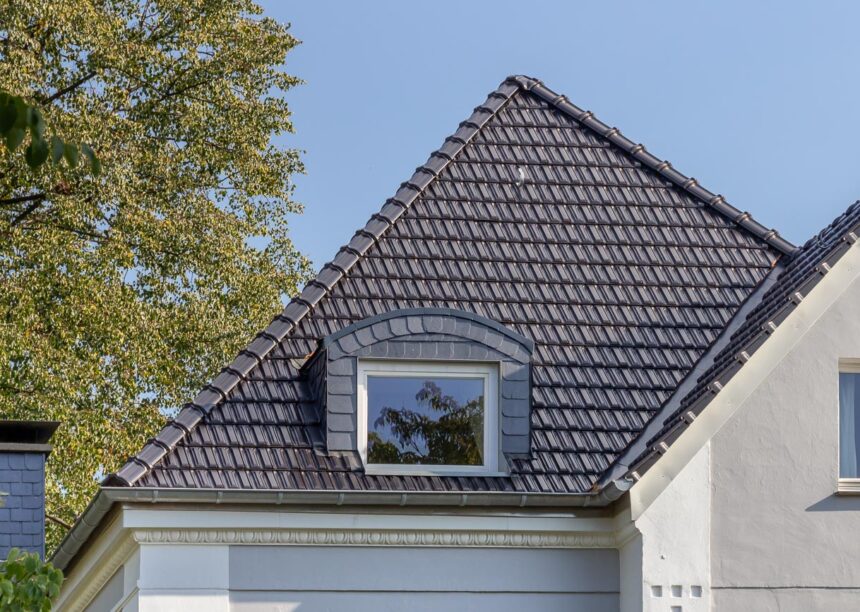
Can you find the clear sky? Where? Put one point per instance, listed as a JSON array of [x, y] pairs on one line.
[[757, 100]]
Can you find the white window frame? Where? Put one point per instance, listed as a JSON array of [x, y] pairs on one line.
[[490, 374], [849, 486]]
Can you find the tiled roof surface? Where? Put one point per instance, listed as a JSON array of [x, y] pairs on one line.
[[533, 214], [800, 274]]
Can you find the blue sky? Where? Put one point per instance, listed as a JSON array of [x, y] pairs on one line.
[[757, 100]]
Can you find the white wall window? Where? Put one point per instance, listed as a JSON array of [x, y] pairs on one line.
[[428, 417], [849, 421]]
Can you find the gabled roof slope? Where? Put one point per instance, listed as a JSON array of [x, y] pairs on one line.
[[801, 273], [533, 214]]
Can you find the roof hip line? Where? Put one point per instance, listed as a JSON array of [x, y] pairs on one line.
[[662, 167], [331, 273], [314, 291]]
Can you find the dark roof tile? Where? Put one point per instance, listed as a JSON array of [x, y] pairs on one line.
[[798, 275]]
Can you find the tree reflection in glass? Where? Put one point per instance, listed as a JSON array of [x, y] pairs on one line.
[[425, 420]]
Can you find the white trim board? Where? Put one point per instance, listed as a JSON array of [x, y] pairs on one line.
[[195, 517], [487, 372], [109, 550]]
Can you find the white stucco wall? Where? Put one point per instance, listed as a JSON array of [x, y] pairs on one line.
[[781, 538], [671, 546], [110, 594], [380, 579]]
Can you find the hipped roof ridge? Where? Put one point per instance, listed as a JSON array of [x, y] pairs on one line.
[[332, 272]]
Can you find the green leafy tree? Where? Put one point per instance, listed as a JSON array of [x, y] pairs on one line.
[[17, 119], [443, 431], [123, 291], [27, 584]]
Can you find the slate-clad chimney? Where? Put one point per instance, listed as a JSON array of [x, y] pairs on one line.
[[23, 450]]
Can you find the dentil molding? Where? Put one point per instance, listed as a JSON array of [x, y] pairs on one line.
[[378, 537]]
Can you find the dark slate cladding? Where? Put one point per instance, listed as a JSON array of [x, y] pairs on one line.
[[535, 215], [801, 273]]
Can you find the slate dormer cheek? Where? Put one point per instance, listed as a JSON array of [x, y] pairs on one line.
[[431, 336]]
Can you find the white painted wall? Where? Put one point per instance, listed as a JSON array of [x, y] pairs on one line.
[[672, 546], [248, 578], [184, 578], [782, 539], [110, 594], [631, 579], [383, 579]]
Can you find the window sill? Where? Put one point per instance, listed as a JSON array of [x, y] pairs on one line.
[[397, 470], [848, 486]]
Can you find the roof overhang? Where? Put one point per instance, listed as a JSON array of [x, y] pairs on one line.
[[64, 557]]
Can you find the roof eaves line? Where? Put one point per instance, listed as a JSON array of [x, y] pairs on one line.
[[99, 507], [662, 167], [647, 459], [302, 305]]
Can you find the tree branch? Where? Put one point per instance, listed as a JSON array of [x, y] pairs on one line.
[[62, 92], [57, 520], [19, 199], [27, 211]]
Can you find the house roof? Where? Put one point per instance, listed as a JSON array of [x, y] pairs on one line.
[[622, 270]]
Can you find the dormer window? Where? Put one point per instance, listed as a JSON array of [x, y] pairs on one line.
[[425, 391], [428, 418]]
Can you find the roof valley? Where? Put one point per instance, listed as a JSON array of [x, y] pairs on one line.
[[621, 465], [798, 278]]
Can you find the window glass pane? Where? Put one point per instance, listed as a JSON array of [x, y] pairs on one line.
[[849, 425], [425, 420]]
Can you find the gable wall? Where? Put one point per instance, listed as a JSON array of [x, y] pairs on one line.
[[781, 539]]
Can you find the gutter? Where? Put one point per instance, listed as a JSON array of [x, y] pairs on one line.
[[80, 533]]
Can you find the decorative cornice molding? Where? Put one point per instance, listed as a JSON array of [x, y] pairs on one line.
[[379, 537]]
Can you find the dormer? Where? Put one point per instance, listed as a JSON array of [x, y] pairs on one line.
[[429, 391]]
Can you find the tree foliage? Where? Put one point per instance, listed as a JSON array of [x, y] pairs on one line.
[[443, 432], [121, 292], [18, 119], [27, 584]]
